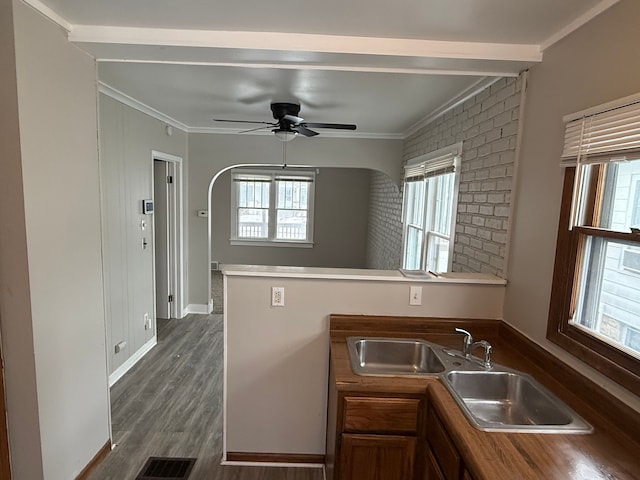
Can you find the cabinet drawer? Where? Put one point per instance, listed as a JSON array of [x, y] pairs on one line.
[[443, 448], [394, 415]]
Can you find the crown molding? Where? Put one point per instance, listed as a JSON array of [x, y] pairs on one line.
[[577, 23], [462, 97], [152, 112], [141, 107], [49, 13]]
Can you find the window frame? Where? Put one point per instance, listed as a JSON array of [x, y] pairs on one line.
[[434, 165], [609, 360], [271, 240]]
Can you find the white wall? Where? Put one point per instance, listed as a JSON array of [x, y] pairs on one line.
[[278, 357], [340, 216], [15, 296], [58, 419], [127, 138], [596, 64], [210, 154]]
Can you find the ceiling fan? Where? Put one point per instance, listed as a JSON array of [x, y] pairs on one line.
[[288, 124]]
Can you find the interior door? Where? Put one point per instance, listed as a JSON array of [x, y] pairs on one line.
[[161, 231]]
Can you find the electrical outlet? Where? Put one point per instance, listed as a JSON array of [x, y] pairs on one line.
[[415, 296], [277, 296], [147, 322]]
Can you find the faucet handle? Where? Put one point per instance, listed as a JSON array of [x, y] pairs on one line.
[[487, 352]]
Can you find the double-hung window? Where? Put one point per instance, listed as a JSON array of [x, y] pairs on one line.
[[430, 198], [595, 304], [272, 208]]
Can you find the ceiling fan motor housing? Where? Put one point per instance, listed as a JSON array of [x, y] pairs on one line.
[[279, 110]]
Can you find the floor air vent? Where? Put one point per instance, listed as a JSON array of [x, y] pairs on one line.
[[161, 468]]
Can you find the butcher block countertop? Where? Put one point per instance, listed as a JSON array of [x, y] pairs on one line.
[[612, 451]]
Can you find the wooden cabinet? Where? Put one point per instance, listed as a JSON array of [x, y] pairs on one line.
[[372, 436], [377, 457], [442, 459], [432, 469], [381, 414]]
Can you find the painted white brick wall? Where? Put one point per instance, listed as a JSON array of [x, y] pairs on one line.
[[384, 243], [487, 124]]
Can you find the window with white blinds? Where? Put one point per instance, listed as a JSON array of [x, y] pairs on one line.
[[432, 165], [609, 133], [595, 302], [601, 134], [430, 198]]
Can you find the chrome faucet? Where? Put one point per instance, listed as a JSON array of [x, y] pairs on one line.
[[468, 342], [469, 346]]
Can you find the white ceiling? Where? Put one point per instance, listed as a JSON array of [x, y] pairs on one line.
[[380, 64]]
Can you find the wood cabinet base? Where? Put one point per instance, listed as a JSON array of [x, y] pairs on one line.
[[377, 457]]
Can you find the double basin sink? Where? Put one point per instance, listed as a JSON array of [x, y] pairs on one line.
[[492, 399]]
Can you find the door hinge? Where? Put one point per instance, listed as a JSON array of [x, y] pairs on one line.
[[170, 179], [170, 298]]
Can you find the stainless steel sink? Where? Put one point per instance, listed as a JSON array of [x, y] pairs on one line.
[[511, 402], [393, 356]]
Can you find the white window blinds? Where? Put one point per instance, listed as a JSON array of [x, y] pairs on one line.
[[602, 134], [440, 162]]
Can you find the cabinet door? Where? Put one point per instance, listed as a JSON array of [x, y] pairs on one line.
[[377, 457], [432, 469], [443, 448]]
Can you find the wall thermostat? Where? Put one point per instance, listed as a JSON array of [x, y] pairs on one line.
[[147, 207]]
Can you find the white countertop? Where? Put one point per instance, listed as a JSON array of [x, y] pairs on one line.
[[359, 274]]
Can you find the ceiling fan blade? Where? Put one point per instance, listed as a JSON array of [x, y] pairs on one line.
[[258, 128], [243, 121], [293, 119], [304, 131], [338, 126]]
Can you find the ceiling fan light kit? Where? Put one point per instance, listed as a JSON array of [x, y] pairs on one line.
[[285, 135], [288, 124]]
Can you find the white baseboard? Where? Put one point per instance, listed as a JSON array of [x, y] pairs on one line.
[[199, 308], [131, 361]]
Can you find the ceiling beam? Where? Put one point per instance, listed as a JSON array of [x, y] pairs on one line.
[[494, 72], [299, 42]]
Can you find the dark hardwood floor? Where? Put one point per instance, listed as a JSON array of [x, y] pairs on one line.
[[170, 404]]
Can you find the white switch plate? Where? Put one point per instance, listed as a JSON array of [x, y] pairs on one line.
[[415, 296], [277, 296]]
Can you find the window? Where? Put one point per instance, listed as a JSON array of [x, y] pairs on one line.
[[430, 198], [595, 302], [272, 208]]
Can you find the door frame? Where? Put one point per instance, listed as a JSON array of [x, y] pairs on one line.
[[175, 227], [164, 284]]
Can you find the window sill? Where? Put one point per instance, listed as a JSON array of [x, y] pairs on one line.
[[270, 243]]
